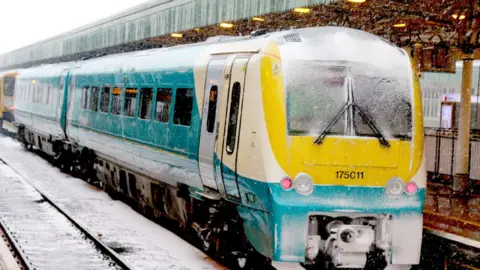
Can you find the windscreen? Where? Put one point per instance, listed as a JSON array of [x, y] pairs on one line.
[[9, 83], [318, 90]]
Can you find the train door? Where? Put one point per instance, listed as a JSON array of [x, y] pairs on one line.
[[59, 97], [208, 135], [231, 126]]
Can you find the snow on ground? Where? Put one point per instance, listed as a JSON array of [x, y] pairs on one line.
[[59, 244], [141, 242]]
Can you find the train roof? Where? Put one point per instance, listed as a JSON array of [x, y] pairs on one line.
[[8, 72], [48, 70]]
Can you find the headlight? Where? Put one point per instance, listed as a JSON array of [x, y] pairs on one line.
[[395, 187], [303, 184]]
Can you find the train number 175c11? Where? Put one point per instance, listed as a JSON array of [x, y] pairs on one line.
[[349, 175]]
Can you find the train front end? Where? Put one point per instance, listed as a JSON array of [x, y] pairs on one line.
[[7, 87], [354, 180]]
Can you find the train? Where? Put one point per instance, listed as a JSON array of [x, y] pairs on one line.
[[297, 149], [7, 88]]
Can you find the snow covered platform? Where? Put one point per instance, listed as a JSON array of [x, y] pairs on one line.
[[142, 243], [453, 214]]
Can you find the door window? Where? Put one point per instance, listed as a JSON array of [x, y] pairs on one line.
[[212, 108], [233, 121]]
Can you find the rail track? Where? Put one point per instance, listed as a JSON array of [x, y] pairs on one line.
[[42, 234], [10, 255]]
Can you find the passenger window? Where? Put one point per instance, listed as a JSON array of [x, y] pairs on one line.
[[94, 99], [130, 104], [48, 95], [105, 99], [85, 93], [162, 106], [146, 97], [40, 94], [212, 108], [116, 101], [34, 94], [52, 95], [232, 122], [183, 107]]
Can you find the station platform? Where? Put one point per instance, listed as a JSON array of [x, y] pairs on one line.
[[454, 214]]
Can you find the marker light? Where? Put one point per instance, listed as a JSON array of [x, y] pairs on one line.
[[11, 107], [286, 183], [395, 187], [303, 184], [177, 35], [411, 188]]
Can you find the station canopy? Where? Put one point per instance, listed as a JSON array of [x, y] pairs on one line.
[[435, 31]]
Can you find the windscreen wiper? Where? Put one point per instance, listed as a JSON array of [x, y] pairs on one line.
[[320, 137], [367, 119], [372, 126]]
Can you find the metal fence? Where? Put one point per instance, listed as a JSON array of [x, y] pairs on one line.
[[440, 147]]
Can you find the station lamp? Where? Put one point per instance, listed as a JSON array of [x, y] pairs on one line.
[[302, 10], [226, 25]]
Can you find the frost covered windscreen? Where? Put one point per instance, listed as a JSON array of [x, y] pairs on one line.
[[318, 90], [9, 86]]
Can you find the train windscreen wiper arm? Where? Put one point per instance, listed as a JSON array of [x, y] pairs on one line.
[[367, 119], [372, 126], [320, 137]]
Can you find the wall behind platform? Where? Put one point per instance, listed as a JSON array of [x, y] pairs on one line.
[[434, 85]]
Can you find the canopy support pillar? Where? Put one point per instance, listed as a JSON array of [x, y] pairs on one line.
[[462, 154]]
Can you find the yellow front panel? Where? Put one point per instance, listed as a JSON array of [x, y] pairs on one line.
[[349, 161], [348, 151], [338, 158]]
